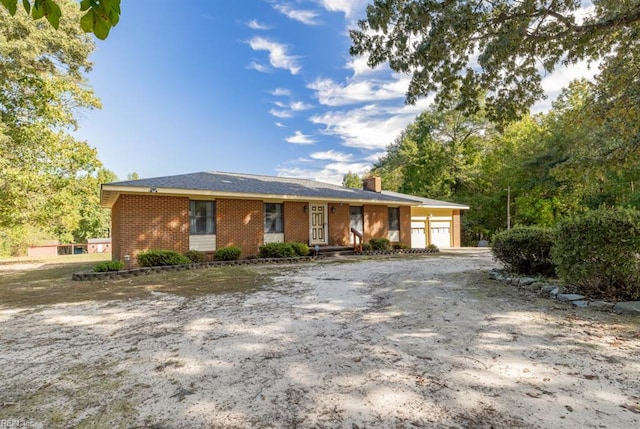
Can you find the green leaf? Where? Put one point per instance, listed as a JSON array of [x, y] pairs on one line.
[[27, 5], [11, 5], [85, 5], [38, 10], [101, 29], [86, 22], [53, 14]]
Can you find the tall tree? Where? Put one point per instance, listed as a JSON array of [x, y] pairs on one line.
[[497, 47], [42, 86], [352, 180], [436, 156]]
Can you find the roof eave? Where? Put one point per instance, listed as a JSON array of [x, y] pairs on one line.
[[110, 193]]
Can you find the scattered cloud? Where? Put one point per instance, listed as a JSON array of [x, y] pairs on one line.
[[278, 56], [331, 155], [282, 114], [350, 8], [307, 17], [372, 127], [281, 92], [553, 83], [331, 93], [280, 125], [299, 138], [258, 67], [329, 173], [255, 25]]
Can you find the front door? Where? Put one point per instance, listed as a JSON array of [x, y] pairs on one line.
[[318, 223], [355, 220]]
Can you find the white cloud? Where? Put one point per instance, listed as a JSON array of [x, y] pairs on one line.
[[331, 93], [331, 155], [555, 82], [255, 25], [307, 17], [283, 114], [329, 173], [360, 68], [349, 7], [257, 66], [371, 127], [375, 157], [278, 56], [280, 125], [281, 92], [299, 138]]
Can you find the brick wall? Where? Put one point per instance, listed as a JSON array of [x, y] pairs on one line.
[[240, 223], [145, 222], [405, 226], [376, 222], [296, 222], [338, 224]]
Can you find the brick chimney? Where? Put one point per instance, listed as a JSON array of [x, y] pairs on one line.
[[373, 184]]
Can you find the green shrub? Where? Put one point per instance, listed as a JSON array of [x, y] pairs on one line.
[[366, 247], [195, 255], [276, 250], [525, 250], [102, 267], [301, 249], [229, 253], [598, 253], [379, 244], [159, 258], [400, 246], [432, 247]]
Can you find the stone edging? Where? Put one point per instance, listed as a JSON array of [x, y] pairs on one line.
[[135, 272], [554, 291]]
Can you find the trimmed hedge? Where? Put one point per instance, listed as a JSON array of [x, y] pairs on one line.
[[276, 250], [229, 253], [525, 250], [379, 244], [598, 252], [301, 249], [195, 255], [159, 258], [103, 267]]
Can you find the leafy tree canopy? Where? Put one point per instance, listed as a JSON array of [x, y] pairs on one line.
[[45, 173], [352, 180], [499, 48], [98, 18]]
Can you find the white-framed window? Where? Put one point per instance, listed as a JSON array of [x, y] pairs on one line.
[[202, 217], [394, 219], [273, 218]]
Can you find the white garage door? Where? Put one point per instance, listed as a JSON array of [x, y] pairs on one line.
[[418, 235], [441, 234]]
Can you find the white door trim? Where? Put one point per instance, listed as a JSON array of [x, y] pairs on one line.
[[318, 231]]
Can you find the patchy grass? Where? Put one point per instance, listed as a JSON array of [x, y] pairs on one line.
[[50, 283]]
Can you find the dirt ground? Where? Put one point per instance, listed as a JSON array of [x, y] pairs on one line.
[[427, 342]]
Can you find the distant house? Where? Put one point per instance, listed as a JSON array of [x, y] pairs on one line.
[[209, 210]]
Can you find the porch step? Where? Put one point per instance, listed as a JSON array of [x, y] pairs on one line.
[[328, 251]]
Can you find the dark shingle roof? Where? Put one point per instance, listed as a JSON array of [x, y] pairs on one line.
[[255, 184]]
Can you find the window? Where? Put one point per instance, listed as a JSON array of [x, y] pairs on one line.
[[273, 223], [202, 217], [394, 219]]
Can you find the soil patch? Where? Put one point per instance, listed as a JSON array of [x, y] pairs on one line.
[[419, 342]]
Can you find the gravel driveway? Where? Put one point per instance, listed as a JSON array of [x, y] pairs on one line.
[[419, 342]]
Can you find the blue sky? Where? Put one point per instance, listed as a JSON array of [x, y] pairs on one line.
[[250, 86]]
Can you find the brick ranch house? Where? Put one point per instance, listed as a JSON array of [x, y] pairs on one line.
[[209, 210]]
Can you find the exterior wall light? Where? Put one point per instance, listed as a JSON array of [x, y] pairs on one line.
[[306, 208], [333, 209]]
